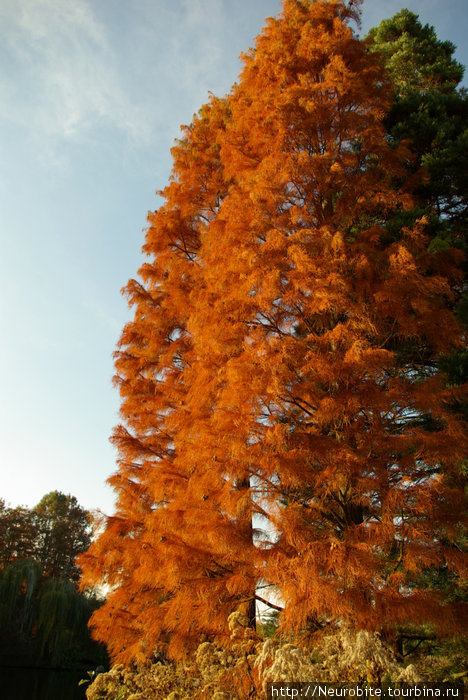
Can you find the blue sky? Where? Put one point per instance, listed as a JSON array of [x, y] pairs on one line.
[[92, 93]]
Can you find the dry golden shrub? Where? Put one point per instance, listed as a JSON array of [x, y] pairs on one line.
[[244, 669]]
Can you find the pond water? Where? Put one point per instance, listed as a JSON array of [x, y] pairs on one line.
[[41, 684]]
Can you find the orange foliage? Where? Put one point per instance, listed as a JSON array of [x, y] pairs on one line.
[[266, 372]]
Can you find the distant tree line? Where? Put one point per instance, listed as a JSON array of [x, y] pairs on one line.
[[43, 616]]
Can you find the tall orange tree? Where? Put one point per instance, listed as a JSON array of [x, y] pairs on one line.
[[161, 553], [264, 378]]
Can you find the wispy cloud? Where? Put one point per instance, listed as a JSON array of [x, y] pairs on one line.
[[62, 71], [75, 70]]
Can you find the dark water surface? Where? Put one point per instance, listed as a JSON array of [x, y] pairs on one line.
[[40, 684]]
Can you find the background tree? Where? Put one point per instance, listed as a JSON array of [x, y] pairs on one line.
[[43, 617], [52, 533], [17, 534], [63, 530], [262, 375], [431, 110]]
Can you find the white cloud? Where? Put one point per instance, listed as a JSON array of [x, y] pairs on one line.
[[62, 71], [122, 75]]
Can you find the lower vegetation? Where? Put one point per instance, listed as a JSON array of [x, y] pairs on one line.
[[244, 667]]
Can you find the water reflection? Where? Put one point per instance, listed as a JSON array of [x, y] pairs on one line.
[[40, 684]]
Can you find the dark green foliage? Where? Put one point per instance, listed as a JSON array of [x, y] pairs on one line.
[[436, 124], [52, 533], [62, 618], [456, 367], [18, 583], [17, 533], [44, 620], [63, 532], [416, 58], [43, 617], [432, 113], [461, 309]]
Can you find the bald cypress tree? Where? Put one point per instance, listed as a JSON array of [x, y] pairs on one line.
[[272, 433]]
